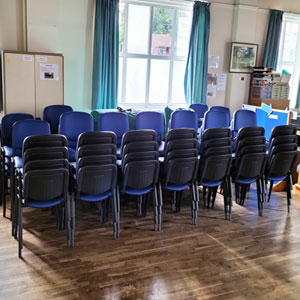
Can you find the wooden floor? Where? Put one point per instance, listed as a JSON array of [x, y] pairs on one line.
[[249, 257]]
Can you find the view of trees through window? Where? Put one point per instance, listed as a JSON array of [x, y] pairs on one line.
[[153, 46]]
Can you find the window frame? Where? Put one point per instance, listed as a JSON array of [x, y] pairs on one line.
[[149, 57], [290, 18]]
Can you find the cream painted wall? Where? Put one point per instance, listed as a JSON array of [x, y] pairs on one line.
[[220, 42], [11, 25], [285, 5], [65, 26]]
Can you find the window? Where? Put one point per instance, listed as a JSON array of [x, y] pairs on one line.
[[153, 49], [289, 47]]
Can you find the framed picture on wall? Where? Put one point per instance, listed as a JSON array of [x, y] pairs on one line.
[[243, 57]]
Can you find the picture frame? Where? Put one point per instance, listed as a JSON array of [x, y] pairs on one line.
[[243, 57]]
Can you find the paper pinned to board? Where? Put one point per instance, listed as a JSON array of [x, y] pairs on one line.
[[49, 72], [42, 59], [213, 62], [27, 57], [221, 82], [211, 85]]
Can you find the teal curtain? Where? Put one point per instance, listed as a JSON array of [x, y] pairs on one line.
[[273, 39], [106, 55], [195, 80]]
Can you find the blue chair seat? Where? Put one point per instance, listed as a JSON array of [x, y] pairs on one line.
[[18, 162], [175, 187], [8, 151], [277, 178], [72, 154], [44, 204], [246, 180], [95, 198], [74, 164], [137, 192], [211, 183], [119, 162]]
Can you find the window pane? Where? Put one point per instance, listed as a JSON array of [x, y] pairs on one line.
[[136, 80], [290, 42], [138, 29], [121, 26], [120, 83], [162, 31], [178, 82], [159, 81], [182, 32]]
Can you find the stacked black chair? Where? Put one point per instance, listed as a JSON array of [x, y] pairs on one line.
[[281, 158], [43, 181], [215, 164], [140, 171], [39, 148], [249, 164], [96, 176], [180, 167]]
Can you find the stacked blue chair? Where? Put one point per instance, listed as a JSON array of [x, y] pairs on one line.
[[6, 150], [249, 164], [96, 176], [52, 113], [215, 164], [242, 118], [281, 158], [155, 121], [45, 182], [116, 122], [140, 171], [184, 119], [71, 125], [180, 167], [21, 130], [200, 109], [224, 109]]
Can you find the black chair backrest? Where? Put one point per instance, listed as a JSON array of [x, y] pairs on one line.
[[95, 160], [251, 149], [46, 164], [281, 163], [213, 151], [139, 156], [282, 148], [39, 141], [145, 135], [250, 141], [250, 131], [181, 133], [139, 147], [181, 144], [212, 143], [45, 154], [283, 130], [140, 174], [104, 149], [216, 133], [45, 184], [214, 167], [180, 171], [96, 180], [251, 165], [96, 137], [284, 139]]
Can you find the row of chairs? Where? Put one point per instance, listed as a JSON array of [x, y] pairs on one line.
[[43, 178]]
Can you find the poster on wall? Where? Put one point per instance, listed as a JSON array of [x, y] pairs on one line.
[[213, 62], [49, 72], [212, 85], [221, 82]]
